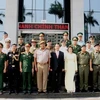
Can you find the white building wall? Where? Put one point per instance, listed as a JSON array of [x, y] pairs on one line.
[[77, 17], [11, 19]]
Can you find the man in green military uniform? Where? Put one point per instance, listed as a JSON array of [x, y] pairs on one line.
[[41, 38], [65, 37], [95, 67], [27, 68], [33, 46], [76, 47], [21, 45], [2, 67], [92, 40], [83, 65]]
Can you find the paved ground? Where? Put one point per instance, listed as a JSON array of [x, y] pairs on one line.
[[56, 99], [52, 96]]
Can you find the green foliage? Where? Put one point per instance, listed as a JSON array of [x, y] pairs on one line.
[[89, 19], [56, 9], [1, 14]]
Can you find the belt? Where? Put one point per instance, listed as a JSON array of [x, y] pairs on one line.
[[83, 65], [96, 65], [42, 63]]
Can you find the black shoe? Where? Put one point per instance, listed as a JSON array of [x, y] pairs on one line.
[[86, 90], [10, 92], [24, 92], [29, 92], [1, 92], [39, 92], [45, 92]]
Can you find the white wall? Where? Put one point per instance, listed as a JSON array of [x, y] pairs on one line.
[[11, 19], [77, 17]]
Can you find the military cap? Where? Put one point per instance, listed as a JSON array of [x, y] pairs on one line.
[[20, 37], [75, 38], [80, 34], [7, 40], [62, 41], [5, 33], [83, 46], [27, 44], [65, 33], [49, 41], [93, 37], [1, 44], [41, 34], [41, 42], [96, 44], [88, 42], [33, 40]]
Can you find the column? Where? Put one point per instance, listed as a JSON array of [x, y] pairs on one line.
[[11, 19], [77, 17]]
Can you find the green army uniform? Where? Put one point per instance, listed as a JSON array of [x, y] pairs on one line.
[[95, 56], [21, 48], [26, 69], [2, 61], [68, 42], [83, 65], [76, 48]]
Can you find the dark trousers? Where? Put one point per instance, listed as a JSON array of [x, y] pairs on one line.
[[96, 77], [13, 76], [1, 81], [27, 81], [56, 80]]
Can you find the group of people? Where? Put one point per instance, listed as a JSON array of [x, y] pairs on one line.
[[74, 63]]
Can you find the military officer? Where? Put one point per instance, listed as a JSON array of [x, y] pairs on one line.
[[33, 46], [92, 40], [21, 45], [95, 67], [84, 63], [41, 38], [13, 69], [49, 46], [76, 47], [42, 65], [65, 37], [80, 41], [27, 68], [2, 67], [88, 47]]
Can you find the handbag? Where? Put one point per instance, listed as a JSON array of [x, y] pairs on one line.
[[75, 77]]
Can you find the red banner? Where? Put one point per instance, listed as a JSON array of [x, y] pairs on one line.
[[43, 26]]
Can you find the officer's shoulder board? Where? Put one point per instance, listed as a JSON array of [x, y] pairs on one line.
[[22, 52]]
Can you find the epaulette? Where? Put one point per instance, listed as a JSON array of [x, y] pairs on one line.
[[22, 52]]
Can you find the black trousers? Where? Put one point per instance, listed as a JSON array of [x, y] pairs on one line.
[[56, 80], [13, 77]]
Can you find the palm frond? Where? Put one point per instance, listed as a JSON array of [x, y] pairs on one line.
[[1, 22]]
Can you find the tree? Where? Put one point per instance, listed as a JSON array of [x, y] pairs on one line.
[[26, 14], [1, 14], [56, 9], [90, 20]]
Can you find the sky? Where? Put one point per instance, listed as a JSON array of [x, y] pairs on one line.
[[94, 6]]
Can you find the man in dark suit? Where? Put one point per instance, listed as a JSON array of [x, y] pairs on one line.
[[57, 66]]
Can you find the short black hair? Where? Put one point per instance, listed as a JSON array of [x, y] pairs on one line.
[[1, 45], [14, 45], [5, 33]]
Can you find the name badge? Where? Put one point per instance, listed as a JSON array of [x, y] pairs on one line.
[[13, 65]]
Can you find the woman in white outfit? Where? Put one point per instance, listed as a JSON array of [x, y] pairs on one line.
[[70, 69]]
